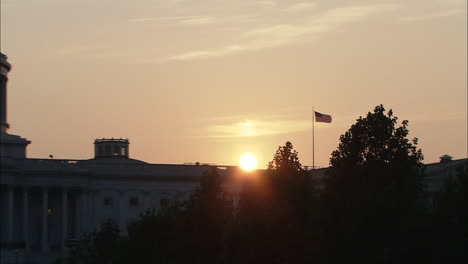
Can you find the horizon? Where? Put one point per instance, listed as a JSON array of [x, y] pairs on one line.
[[222, 81]]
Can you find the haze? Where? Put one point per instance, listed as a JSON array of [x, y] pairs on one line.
[[210, 80]]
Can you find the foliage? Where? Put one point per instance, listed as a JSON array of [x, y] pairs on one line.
[[209, 213], [100, 246], [153, 237], [373, 194], [375, 161], [196, 227], [273, 213], [372, 209], [376, 138], [286, 159]]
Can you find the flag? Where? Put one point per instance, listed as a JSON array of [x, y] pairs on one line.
[[322, 118]]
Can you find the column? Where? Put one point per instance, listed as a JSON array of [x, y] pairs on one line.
[[90, 211], [5, 67], [121, 214], [26, 218], [90, 222], [64, 217], [90, 205], [77, 220], [45, 226], [146, 200], [9, 215], [83, 214]]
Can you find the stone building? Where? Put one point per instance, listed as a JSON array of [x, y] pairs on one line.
[[46, 203]]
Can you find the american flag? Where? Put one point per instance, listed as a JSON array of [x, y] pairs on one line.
[[322, 118]]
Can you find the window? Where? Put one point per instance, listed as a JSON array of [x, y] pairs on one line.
[[133, 201], [108, 202], [116, 150], [108, 151], [164, 203]]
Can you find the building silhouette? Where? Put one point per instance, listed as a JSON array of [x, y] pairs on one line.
[[47, 202]]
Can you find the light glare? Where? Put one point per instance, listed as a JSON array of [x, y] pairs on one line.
[[248, 162]]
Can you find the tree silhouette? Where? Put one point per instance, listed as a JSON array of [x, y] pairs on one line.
[[155, 236], [286, 159], [373, 190], [372, 209], [180, 232], [209, 214], [100, 246], [273, 214]]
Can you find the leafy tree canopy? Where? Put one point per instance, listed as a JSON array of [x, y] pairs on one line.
[[376, 159], [376, 137], [373, 193], [286, 160], [100, 246]]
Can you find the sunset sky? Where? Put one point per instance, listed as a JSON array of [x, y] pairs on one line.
[[209, 80]]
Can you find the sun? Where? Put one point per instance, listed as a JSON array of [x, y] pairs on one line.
[[248, 162]]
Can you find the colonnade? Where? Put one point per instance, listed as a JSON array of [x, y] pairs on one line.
[[30, 211], [45, 211]]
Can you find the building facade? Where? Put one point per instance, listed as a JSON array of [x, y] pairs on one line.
[[46, 203]]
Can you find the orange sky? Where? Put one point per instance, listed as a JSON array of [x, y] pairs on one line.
[[208, 80]]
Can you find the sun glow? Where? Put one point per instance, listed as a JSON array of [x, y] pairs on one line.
[[248, 162]]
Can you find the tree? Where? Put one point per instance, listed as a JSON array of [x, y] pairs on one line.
[[373, 189], [209, 216], [273, 214], [286, 159], [289, 182], [181, 232], [156, 235], [100, 246]]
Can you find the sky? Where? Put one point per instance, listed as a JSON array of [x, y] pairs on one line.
[[209, 80]]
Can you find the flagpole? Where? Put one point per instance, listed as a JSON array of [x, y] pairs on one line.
[[313, 139]]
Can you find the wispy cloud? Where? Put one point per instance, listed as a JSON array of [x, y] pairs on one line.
[[224, 51], [447, 13], [141, 19], [266, 3], [238, 126], [277, 35], [197, 20], [255, 128], [451, 2], [77, 49], [168, 18], [202, 20], [299, 7]]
